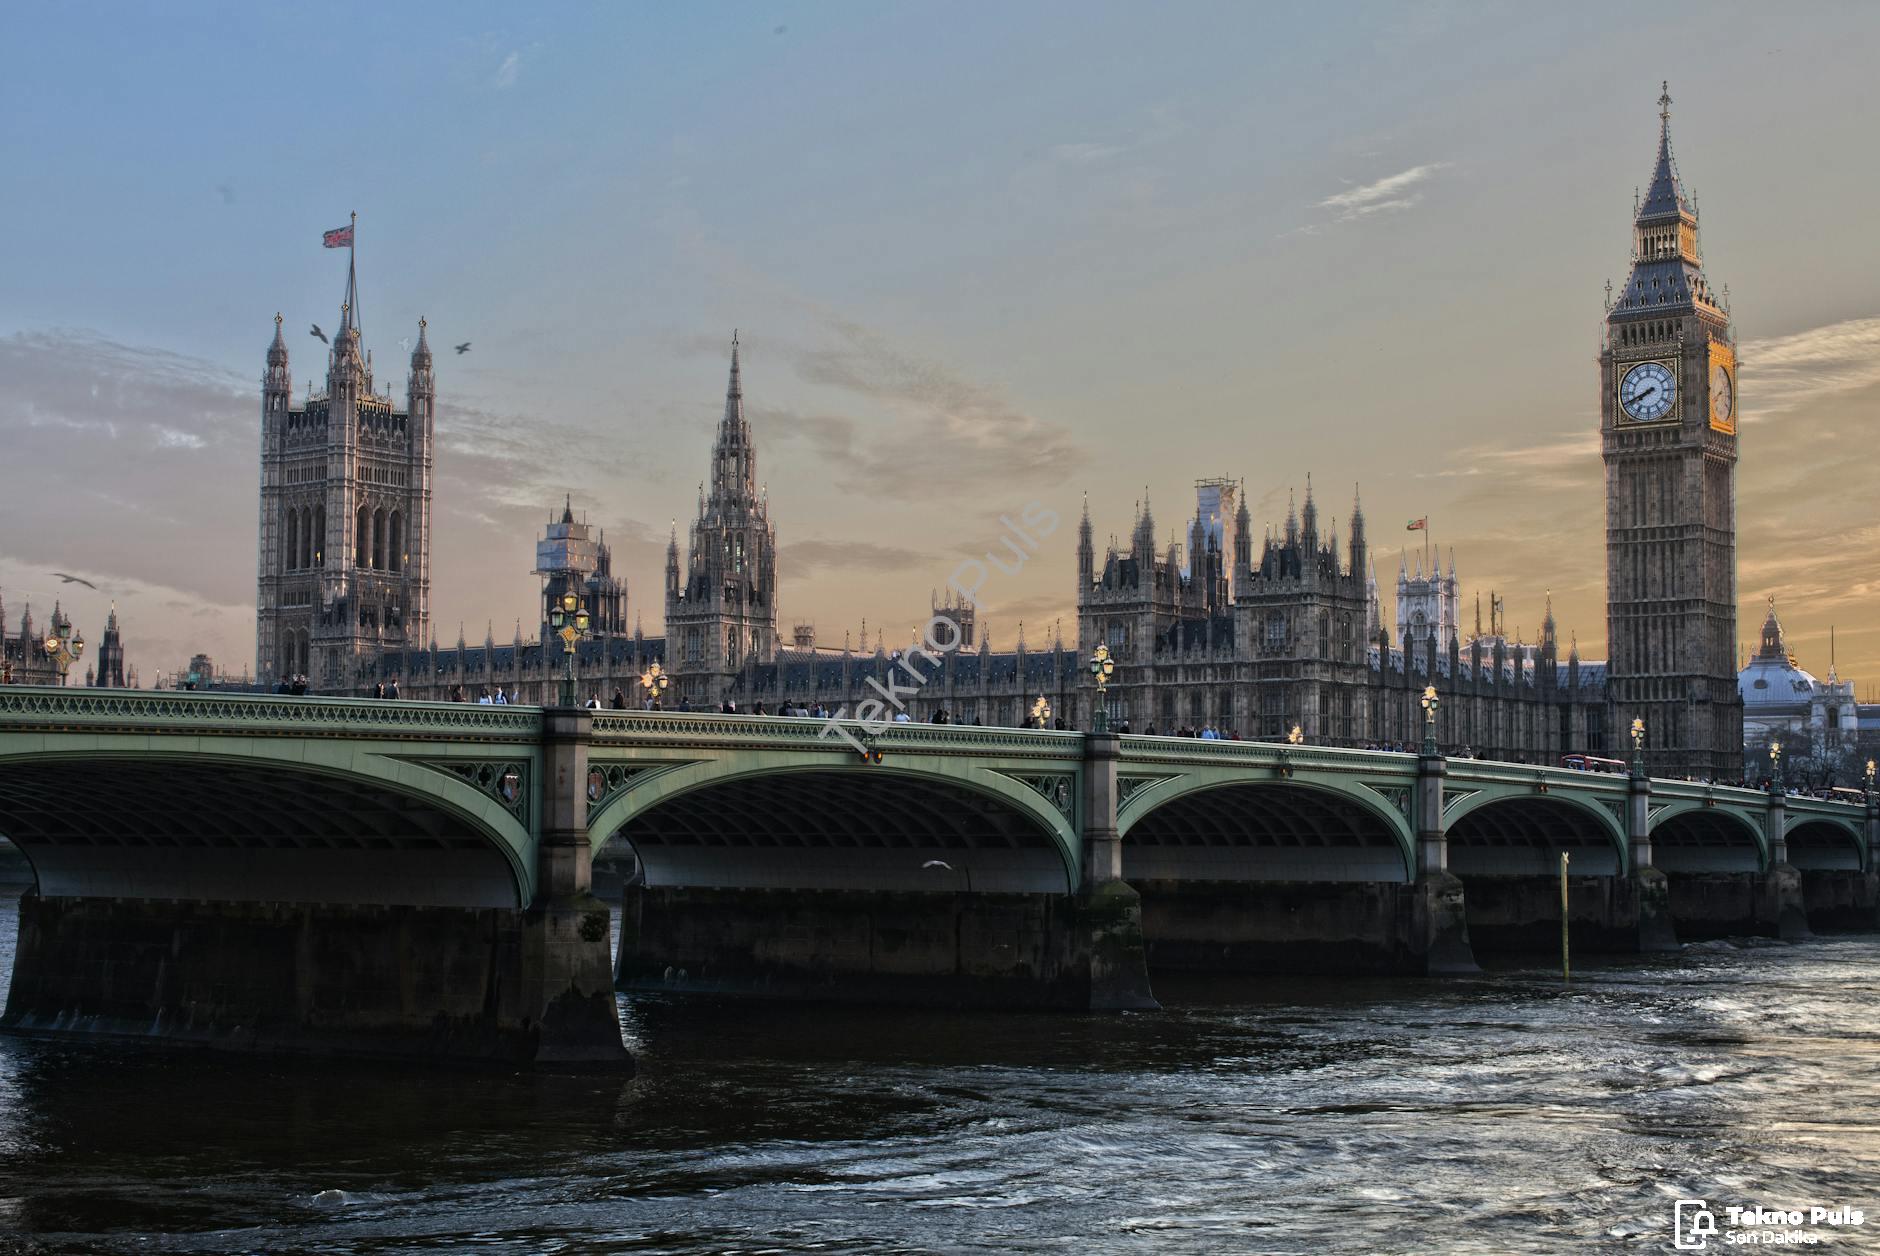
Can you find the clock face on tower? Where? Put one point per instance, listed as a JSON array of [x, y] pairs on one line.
[[1647, 391], [1722, 395]]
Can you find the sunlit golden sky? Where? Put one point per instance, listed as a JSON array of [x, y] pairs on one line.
[[978, 258]]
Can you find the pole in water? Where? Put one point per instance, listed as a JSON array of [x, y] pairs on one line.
[[1566, 973]]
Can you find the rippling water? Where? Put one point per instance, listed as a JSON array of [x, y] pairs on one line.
[[1493, 1115]]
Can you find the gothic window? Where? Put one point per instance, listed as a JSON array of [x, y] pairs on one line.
[[395, 538], [378, 539], [1275, 630], [362, 538], [1325, 634], [1117, 635], [731, 646], [291, 550], [319, 535]]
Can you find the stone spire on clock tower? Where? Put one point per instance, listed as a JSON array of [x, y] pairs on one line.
[[1667, 369]]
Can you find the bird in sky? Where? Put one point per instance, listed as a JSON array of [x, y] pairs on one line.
[[404, 342], [322, 335], [464, 347], [75, 580]]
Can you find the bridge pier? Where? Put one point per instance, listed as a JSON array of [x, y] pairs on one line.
[[1439, 917], [1780, 906], [1647, 889]]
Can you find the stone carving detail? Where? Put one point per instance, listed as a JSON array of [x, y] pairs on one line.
[[607, 781], [1397, 796], [1126, 786], [1054, 788], [507, 783]]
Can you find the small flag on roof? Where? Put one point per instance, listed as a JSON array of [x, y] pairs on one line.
[[338, 238], [1418, 525]]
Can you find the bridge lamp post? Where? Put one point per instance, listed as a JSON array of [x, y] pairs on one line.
[[569, 619], [1870, 766], [63, 647], [655, 681], [1638, 746], [1102, 667], [1775, 767], [1041, 712], [1297, 737], [1429, 702]]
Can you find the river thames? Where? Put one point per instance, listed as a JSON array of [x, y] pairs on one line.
[[1496, 1114]]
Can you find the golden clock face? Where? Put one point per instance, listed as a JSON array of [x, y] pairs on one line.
[[1722, 394]]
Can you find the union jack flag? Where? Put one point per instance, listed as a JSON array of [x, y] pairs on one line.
[[338, 238], [1418, 525]]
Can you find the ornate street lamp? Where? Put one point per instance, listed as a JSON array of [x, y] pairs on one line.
[[1102, 667], [1297, 736], [1429, 702], [1638, 746], [1870, 778], [1041, 712], [63, 647], [655, 681], [1775, 767], [569, 619]]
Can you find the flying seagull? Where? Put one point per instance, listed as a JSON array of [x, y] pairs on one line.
[[322, 335], [464, 347], [404, 342], [75, 580]]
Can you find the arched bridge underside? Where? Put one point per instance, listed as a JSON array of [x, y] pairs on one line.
[[1824, 846], [846, 829], [194, 828], [1707, 840], [1526, 835], [1263, 831]]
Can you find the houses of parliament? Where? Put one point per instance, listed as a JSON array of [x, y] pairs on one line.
[[1251, 634]]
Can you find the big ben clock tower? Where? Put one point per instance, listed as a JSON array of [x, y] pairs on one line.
[[1667, 389]]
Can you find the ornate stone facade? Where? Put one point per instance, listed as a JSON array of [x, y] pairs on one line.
[[721, 606], [345, 545]]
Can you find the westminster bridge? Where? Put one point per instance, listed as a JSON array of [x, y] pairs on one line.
[[357, 876]]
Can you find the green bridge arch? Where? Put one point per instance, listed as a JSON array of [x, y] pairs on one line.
[[657, 786], [1338, 798], [273, 795]]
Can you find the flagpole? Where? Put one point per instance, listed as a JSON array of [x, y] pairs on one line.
[[352, 259]]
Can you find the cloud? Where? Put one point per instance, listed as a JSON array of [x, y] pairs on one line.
[[506, 72], [1389, 194], [805, 558], [930, 434], [1785, 373]]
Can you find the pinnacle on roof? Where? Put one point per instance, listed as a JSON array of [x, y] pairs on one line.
[[277, 351], [423, 349], [1664, 197], [567, 509]]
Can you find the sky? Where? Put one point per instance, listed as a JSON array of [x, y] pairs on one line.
[[977, 256]]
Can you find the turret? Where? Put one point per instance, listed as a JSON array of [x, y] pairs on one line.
[[1243, 545], [1309, 525], [1360, 559], [1086, 554], [277, 384], [672, 565]]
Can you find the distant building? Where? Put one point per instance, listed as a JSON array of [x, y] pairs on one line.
[[109, 673], [1780, 701], [23, 657]]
